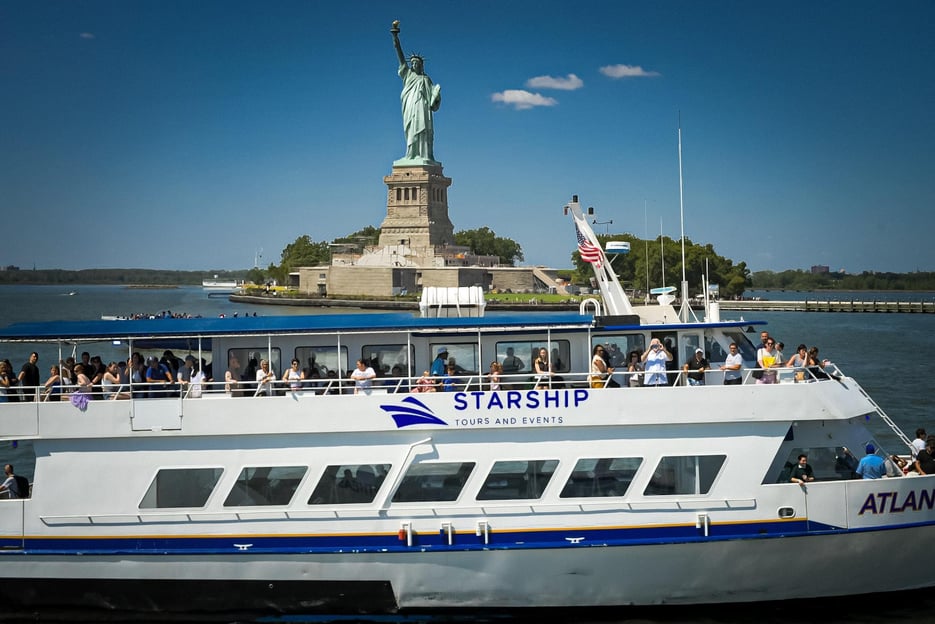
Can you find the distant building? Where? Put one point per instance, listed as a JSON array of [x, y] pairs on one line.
[[820, 268]]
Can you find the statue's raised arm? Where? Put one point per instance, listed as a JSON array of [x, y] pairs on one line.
[[396, 44], [420, 99]]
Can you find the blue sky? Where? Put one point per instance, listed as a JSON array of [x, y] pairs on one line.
[[186, 135]]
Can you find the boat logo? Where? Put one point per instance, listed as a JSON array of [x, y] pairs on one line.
[[414, 412]]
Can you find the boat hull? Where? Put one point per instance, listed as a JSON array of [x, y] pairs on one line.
[[775, 568]]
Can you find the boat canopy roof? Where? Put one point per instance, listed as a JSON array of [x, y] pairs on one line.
[[319, 323]]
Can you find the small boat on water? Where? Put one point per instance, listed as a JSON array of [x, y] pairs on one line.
[[372, 482], [222, 285]]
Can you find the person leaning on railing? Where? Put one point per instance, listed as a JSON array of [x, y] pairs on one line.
[[732, 365]]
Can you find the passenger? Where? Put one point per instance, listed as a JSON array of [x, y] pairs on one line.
[[363, 377], [425, 383], [159, 378], [494, 376], [13, 393], [634, 370], [780, 358], [439, 364], [10, 487], [137, 374], [184, 373], [511, 364], [110, 384], [925, 460], [82, 381], [312, 379], [894, 466], [764, 337], [6, 382], [872, 465], [459, 370], [293, 376], [599, 372], [542, 369], [232, 375], [265, 378], [655, 359], [802, 472], [449, 380], [816, 365], [29, 377], [198, 382], [766, 358], [696, 368], [732, 365], [96, 374], [52, 389], [918, 444]]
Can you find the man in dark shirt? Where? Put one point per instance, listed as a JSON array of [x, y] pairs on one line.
[[696, 368], [29, 377], [925, 460], [802, 472]]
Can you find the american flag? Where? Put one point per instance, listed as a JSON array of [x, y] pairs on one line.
[[588, 250]]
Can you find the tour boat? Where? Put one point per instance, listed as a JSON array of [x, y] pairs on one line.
[[558, 489], [222, 285]]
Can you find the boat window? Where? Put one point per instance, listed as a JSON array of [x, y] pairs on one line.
[[464, 356], [518, 356], [273, 485], [348, 484], [601, 477], [688, 343], [326, 360], [181, 487], [388, 360], [689, 474], [743, 344], [244, 363], [618, 346], [829, 463], [517, 479], [713, 349], [433, 482]]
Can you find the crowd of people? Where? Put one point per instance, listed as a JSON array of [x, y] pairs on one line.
[[91, 377]]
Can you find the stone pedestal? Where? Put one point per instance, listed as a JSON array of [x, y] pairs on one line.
[[417, 209]]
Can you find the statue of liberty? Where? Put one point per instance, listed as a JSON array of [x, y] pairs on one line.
[[420, 98]]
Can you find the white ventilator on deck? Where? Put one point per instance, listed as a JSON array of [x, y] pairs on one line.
[[615, 300], [444, 302]]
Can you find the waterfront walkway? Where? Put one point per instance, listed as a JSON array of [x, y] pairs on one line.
[[845, 305]]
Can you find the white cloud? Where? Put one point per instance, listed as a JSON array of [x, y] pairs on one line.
[[568, 83], [626, 71], [86, 35], [522, 100]]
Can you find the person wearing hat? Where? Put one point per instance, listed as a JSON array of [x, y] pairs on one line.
[[158, 373], [440, 363], [872, 465], [696, 367]]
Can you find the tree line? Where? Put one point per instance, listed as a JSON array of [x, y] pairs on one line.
[[797, 279]]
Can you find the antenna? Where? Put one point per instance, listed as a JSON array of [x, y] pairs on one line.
[[257, 256], [646, 245], [685, 310]]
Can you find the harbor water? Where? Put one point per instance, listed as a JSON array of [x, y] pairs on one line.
[[886, 353]]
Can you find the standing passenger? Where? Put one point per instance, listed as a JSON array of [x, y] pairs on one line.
[[731, 367], [363, 377], [655, 359], [872, 465], [29, 377]]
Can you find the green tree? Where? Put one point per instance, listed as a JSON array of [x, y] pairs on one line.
[[633, 267], [485, 242], [304, 252]]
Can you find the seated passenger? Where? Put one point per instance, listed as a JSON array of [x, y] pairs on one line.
[[425, 383], [801, 472], [872, 465]]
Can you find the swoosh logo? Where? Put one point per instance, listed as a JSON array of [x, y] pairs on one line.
[[414, 412]]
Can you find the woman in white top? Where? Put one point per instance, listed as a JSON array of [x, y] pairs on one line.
[[294, 376], [766, 358], [599, 369]]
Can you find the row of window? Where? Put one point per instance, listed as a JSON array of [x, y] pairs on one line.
[[432, 482], [517, 356], [412, 193]]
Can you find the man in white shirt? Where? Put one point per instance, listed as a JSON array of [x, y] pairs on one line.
[[363, 378]]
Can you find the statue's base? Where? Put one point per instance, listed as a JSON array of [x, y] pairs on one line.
[[416, 162]]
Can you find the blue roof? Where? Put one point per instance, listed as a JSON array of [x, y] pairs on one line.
[[154, 328]]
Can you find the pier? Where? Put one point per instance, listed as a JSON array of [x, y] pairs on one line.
[[816, 305]]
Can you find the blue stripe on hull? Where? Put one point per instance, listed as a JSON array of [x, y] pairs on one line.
[[293, 544]]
